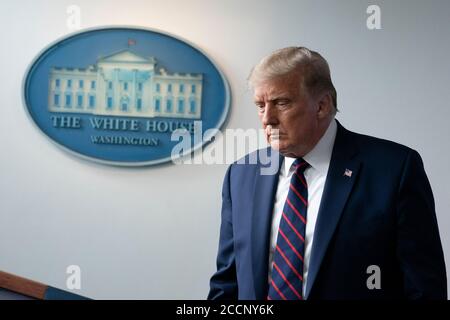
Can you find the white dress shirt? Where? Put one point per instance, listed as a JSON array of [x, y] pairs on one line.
[[319, 159]]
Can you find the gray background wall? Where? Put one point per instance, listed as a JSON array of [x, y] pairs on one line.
[[152, 233]]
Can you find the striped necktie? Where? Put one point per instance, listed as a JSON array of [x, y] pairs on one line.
[[287, 273]]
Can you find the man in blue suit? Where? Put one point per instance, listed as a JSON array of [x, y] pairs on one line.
[[345, 216]]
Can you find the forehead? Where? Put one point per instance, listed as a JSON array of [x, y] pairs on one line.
[[282, 85]]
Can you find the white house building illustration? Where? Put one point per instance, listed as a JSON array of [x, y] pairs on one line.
[[125, 84]]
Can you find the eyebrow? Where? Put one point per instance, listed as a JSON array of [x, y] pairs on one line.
[[275, 99]]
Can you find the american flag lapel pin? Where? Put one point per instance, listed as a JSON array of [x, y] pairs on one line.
[[348, 173]]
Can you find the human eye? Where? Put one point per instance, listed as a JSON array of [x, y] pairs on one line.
[[260, 106], [283, 103]]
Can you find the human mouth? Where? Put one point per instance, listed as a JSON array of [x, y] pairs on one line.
[[273, 133]]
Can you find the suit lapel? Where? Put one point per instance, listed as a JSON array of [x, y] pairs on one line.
[[342, 174], [263, 201]]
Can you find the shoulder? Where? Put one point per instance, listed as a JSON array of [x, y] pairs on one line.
[[379, 149], [379, 157]]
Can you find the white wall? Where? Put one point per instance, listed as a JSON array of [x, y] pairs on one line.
[[151, 233]]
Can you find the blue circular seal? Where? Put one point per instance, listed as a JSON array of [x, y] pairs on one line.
[[116, 95]]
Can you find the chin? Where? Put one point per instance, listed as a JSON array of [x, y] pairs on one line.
[[275, 145], [283, 149], [280, 147]]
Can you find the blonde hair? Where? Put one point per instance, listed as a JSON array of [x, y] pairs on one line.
[[310, 64]]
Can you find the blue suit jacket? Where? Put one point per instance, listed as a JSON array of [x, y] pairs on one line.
[[382, 215]]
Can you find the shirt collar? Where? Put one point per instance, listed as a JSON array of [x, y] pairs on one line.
[[319, 157]]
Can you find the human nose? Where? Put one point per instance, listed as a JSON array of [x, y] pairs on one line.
[[269, 116]]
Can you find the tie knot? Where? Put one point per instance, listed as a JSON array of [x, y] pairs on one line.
[[300, 165]]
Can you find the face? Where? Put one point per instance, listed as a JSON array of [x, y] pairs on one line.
[[293, 120]]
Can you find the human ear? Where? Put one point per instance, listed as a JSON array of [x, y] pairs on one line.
[[325, 105]]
